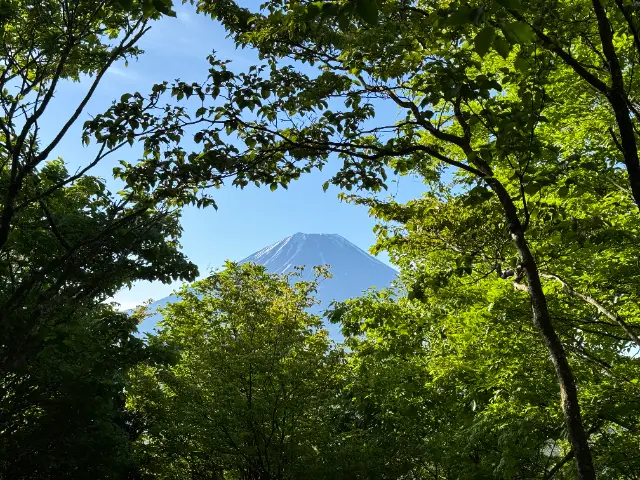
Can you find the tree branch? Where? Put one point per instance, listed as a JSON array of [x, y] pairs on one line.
[[114, 56], [18, 173], [564, 55], [598, 306], [54, 227], [556, 468], [630, 23]]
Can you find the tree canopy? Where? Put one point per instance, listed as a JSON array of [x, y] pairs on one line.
[[253, 387], [482, 90], [67, 245], [508, 349]]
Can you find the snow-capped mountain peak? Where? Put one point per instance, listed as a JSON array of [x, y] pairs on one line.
[[310, 249], [353, 270]]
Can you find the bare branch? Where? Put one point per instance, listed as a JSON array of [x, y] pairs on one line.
[[124, 45]]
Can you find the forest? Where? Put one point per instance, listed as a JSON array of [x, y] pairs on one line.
[[509, 346]]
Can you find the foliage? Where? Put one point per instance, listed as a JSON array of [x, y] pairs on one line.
[[252, 390], [486, 92], [63, 411], [462, 395], [66, 353], [511, 354], [66, 246], [459, 353]]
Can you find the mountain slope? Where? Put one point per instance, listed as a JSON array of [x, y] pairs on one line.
[[351, 266], [353, 269]]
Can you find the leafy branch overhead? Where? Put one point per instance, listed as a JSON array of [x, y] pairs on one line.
[[482, 92], [505, 350], [67, 244]]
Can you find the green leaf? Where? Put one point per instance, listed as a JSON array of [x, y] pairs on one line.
[[313, 10], [477, 195], [126, 4], [343, 22], [329, 9], [521, 64], [484, 39], [433, 18], [460, 17], [273, 186], [501, 46], [532, 188], [510, 4], [368, 11], [148, 8], [520, 32], [164, 7]]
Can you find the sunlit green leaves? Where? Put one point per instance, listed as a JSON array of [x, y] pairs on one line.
[[252, 365]]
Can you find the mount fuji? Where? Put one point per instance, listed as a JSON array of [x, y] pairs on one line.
[[353, 270]]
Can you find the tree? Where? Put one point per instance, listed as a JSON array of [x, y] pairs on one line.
[[597, 44], [473, 86], [67, 245], [487, 95], [252, 389], [65, 353], [453, 367], [44, 44], [447, 395], [63, 412]]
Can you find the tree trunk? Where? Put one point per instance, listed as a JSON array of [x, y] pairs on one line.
[[627, 142], [615, 93], [568, 391], [617, 97], [541, 319]]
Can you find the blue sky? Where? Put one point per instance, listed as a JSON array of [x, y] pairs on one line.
[[246, 220]]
